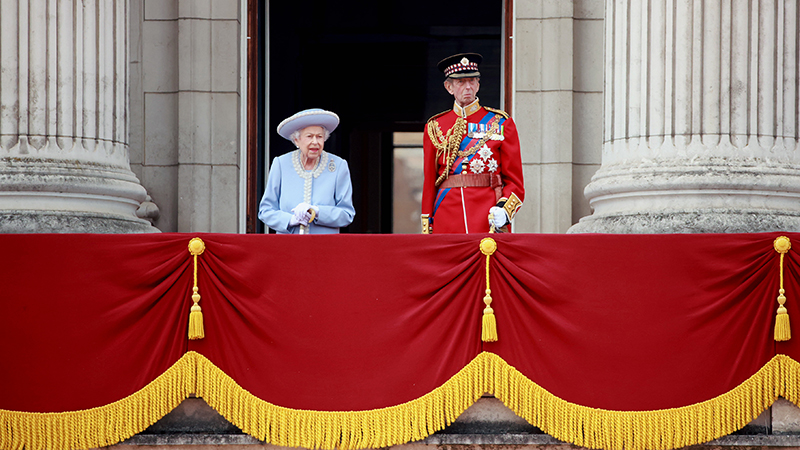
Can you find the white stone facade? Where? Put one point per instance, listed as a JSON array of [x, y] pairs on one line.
[[184, 128], [558, 85], [64, 163], [701, 119], [186, 125], [704, 116], [186, 103], [150, 101]]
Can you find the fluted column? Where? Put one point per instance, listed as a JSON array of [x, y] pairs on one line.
[[701, 118], [64, 118]]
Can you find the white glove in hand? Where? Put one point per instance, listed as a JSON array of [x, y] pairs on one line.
[[301, 207], [300, 217], [305, 208], [499, 215]]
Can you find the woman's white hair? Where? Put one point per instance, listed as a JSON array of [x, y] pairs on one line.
[[296, 134]]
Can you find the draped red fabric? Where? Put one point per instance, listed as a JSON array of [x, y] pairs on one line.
[[86, 320], [792, 286], [636, 322], [357, 322], [343, 323]]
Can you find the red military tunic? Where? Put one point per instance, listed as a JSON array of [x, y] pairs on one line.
[[486, 169]]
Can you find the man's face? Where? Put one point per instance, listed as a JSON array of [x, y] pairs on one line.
[[464, 90]]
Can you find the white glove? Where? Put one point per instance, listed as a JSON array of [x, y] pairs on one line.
[[301, 207], [499, 215], [305, 207], [300, 216]]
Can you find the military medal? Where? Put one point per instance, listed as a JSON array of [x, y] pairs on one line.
[[476, 130]]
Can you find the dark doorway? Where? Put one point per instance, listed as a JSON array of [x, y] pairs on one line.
[[374, 64]]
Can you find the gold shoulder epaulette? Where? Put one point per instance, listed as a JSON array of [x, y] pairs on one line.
[[497, 111], [440, 114]]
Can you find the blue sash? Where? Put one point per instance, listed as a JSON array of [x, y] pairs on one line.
[[457, 164]]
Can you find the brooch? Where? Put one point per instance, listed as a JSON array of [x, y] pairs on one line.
[[331, 166]]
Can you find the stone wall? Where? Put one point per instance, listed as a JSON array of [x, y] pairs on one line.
[[558, 108], [701, 119], [64, 164], [185, 111]]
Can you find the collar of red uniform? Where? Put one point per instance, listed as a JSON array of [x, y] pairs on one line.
[[470, 109]]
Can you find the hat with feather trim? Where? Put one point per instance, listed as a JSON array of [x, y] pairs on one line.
[[308, 118], [462, 65]]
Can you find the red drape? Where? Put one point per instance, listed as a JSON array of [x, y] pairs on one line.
[[360, 322], [638, 322], [86, 320], [351, 323]]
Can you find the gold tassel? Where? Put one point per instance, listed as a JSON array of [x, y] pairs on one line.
[[783, 331], [489, 324], [489, 330], [196, 331]]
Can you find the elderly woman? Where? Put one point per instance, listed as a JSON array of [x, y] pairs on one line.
[[308, 190]]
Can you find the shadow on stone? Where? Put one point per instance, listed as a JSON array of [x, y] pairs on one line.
[[194, 416]]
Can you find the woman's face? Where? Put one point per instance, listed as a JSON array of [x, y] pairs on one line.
[[311, 142]]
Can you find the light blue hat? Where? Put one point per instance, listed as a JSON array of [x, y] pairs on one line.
[[307, 118]]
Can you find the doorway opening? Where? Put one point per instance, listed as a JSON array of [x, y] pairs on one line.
[[373, 64]]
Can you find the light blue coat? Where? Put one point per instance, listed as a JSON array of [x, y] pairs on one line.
[[331, 191]]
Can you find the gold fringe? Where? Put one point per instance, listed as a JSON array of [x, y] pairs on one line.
[[411, 421], [638, 430], [377, 428], [488, 373], [105, 425], [789, 379]]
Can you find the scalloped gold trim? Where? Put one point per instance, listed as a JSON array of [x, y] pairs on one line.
[[410, 421], [105, 425], [580, 425], [638, 430], [347, 430]]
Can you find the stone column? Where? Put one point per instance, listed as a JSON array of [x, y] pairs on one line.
[[64, 118], [701, 118], [544, 83]]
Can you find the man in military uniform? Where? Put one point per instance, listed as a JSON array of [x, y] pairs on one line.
[[473, 169]]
